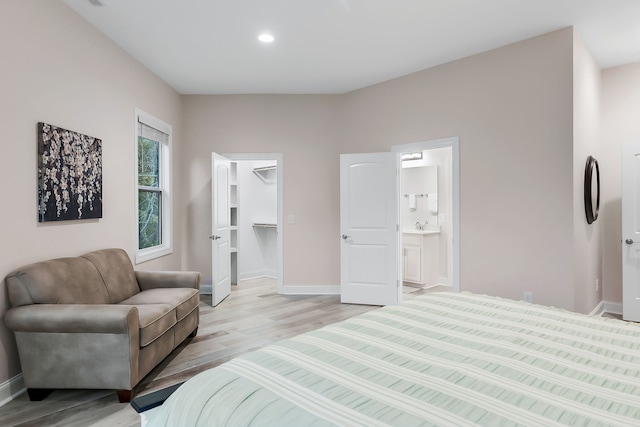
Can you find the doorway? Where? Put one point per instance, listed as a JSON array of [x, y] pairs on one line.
[[255, 218], [429, 215]]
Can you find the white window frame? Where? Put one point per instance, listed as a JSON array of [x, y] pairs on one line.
[[166, 154]]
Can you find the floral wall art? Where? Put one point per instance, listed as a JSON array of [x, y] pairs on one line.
[[69, 175]]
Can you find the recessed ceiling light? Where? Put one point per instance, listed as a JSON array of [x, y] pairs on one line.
[[266, 38]]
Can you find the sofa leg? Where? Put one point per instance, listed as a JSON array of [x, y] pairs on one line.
[[38, 394], [124, 396], [194, 333]]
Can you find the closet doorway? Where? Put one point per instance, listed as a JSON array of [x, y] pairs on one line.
[[257, 247]]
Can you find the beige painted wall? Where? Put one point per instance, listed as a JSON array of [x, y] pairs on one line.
[[58, 69], [512, 109], [306, 130], [587, 261], [620, 125]]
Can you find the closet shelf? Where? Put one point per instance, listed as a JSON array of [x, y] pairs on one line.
[[268, 174], [264, 225]]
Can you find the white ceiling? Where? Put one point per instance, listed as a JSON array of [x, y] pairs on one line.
[[335, 46]]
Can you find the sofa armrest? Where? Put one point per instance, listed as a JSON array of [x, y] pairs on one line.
[[73, 318], [168, 279]]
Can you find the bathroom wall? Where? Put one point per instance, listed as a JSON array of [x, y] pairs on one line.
[[257, 203], [421, 181]]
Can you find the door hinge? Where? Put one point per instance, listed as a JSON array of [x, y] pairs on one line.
[[398, 283]]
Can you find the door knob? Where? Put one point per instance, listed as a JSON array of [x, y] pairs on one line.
[[629, 241], [214, 237], [345, 237]]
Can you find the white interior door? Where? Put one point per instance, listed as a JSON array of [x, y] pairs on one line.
[[220, 228], [369, 255], [631, 232]]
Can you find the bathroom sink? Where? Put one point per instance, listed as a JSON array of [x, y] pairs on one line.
[[428, 229]]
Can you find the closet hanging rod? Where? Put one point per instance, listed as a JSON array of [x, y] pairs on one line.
[[417, 195], [265, 168]]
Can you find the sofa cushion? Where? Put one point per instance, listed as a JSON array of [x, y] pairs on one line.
[[117, 272], [184, 300], [154, 320], [57, 281]]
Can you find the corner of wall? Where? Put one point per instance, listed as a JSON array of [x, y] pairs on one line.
[[587, 238]]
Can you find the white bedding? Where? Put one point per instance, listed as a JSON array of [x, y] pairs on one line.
[[435, 360]]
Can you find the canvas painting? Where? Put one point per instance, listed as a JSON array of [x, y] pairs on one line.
[[69, 175]]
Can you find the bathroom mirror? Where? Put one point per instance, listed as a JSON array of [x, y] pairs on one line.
[[591, 189]]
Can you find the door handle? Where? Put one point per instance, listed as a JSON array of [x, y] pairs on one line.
[[214, 237], [345, 237], [629, 241]]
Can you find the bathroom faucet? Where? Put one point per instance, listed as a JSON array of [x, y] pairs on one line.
[[418, 226], [425, 224]]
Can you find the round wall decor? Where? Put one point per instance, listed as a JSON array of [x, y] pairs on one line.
[[591, 189]]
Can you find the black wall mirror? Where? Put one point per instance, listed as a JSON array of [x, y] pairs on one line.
[[591, 189]]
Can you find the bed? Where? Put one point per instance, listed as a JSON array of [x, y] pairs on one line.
[[441, 359]]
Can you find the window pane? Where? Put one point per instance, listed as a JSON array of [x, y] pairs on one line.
[[149, 219], [148, 162]]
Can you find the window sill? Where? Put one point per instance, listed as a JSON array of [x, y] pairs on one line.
[[152, 253]]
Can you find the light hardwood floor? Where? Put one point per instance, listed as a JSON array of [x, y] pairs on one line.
[[253, 316]]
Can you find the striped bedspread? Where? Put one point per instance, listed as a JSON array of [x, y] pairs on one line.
[[441, 359]]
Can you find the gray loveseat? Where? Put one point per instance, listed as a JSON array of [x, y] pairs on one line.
[[92, 322]]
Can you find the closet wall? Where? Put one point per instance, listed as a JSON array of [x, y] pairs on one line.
[[257, 210]]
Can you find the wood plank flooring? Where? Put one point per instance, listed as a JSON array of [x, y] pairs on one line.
[[253, 316]]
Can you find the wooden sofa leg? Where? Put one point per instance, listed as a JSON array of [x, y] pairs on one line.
[[194, 333], [124, 396], [38, 394]]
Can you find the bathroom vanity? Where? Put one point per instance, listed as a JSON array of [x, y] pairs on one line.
[[420, 249]]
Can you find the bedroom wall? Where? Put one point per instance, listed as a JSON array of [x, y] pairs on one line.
[[58, 69], [587, 238], [304, 128], [620, 125], [512, 109]]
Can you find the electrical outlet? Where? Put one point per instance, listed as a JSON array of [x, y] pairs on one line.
[[291, 219], [528, 296], [597, 285]]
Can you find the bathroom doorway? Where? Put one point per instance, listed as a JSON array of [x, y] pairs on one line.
[[428, 204]]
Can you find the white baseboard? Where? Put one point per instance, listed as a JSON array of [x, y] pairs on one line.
[[607, 307], [311, 290], [11, 389], [612, 307], [598, 310], [442, 280], [206, 288], [248, 275]]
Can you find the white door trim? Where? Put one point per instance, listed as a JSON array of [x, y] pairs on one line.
[[280, 229], [454, 143]]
